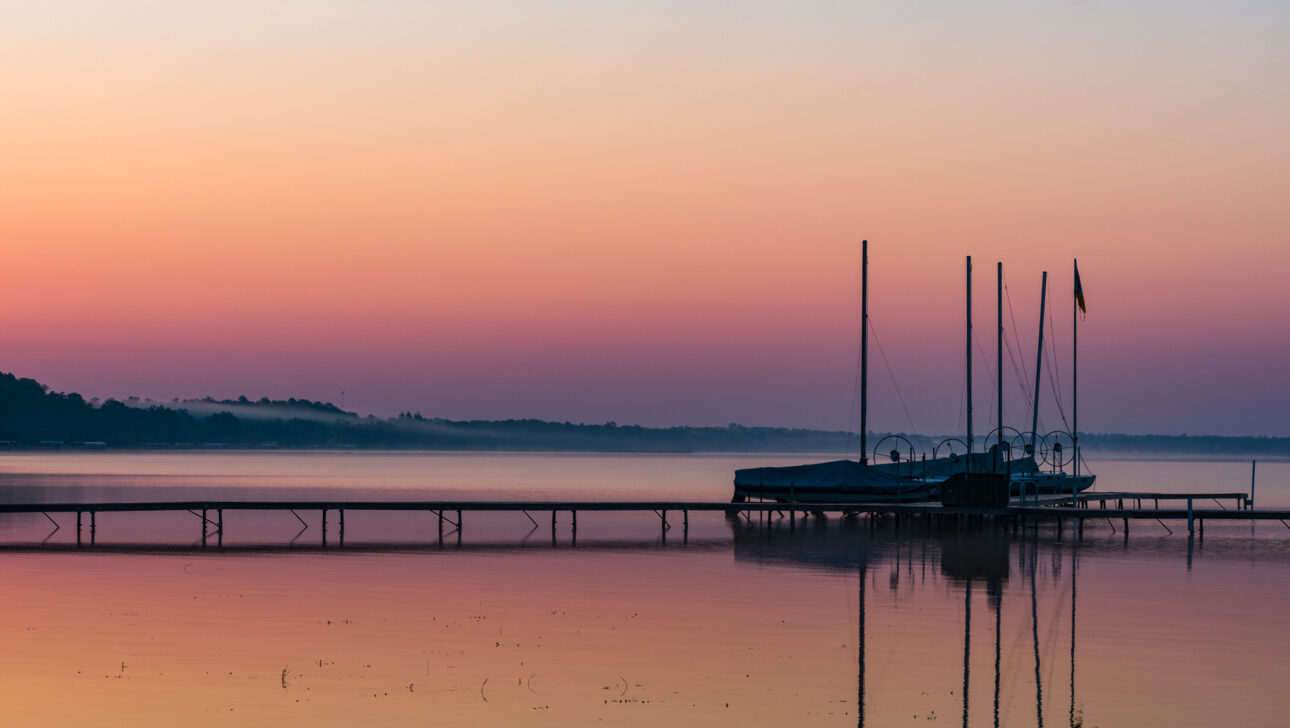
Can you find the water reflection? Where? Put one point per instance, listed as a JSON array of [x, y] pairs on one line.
[[913, 608], [968, 557], [904, 603], [780, 622]]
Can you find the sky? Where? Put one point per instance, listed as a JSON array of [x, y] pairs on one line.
[[650, 213]]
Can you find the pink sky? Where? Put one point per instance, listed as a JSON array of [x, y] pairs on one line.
[[648, 215]]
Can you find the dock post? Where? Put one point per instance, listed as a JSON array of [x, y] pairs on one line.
[[1191, 522], [552, 526], [203, 528], [324, 527], [219, 531], [78, 528], [685, 525], [1250, 501], [93, 526], [459, 523], [341, 514], [573, 533]]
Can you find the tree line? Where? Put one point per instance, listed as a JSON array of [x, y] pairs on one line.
[[31, 414]]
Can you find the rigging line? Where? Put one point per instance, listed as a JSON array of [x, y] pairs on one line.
[[855, 403], [1061, 413], [993, 379], [1007, 294], [1052, 346], [913, 429], [1016, 370], [1024, 381], [1050, 645], [962, 400], [1054, 383]]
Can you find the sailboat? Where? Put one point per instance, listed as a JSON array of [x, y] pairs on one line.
[[1027, 478], [863, 481]]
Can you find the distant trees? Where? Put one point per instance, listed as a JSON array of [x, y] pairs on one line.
[[30, 413]]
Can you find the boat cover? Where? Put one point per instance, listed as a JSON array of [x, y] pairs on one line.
[[850, 474], [836, 474]]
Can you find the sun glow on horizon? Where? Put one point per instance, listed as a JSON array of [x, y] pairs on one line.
[[643, 214]]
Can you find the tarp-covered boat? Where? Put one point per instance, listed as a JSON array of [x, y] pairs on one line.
[[850, 481]]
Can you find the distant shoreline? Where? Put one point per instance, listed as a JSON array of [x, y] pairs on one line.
[[1098, 455], [35, 419]]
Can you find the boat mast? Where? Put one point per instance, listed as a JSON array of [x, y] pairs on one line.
[[998, 366], [969, 363], [864, 352], [1075, 373], [1039, 361]]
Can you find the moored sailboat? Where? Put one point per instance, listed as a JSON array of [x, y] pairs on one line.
[[912, 480]]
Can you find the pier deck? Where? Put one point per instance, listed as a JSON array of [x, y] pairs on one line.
[[1047, 507]]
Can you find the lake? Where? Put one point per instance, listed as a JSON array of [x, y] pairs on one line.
[[836, 622]]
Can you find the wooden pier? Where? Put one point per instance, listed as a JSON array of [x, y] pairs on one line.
[[449, 515]]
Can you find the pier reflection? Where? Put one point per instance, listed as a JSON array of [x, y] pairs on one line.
[[823, 622]]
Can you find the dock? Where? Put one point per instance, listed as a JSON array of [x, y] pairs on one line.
[[449, 516]]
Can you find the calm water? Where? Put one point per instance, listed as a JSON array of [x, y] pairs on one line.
[[735, 624]]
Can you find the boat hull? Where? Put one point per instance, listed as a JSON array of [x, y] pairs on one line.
[[1027, 484], [838, 494]]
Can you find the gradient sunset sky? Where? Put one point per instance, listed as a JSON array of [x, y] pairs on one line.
[[649, 212]]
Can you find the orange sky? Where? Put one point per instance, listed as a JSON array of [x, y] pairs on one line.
[[648, 215]]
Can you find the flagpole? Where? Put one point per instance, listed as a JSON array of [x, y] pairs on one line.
[[1075, 368]]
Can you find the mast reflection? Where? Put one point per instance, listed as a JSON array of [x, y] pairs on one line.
[[970, 557]]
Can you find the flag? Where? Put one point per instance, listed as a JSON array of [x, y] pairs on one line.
[[1079, 291]]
